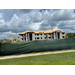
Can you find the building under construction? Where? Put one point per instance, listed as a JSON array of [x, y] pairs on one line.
[[39, 35]]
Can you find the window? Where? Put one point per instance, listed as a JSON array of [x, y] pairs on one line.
[[49, 33], [14, 39], [40, 34], [41, 37], [22, 38], [44, 34], [37, 34], [49, 37], [62, 36], [45, 37], [37, 37], [62, 33]]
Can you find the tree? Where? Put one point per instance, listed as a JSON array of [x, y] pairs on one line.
[[74, 35], [70, 35], [66, 36]]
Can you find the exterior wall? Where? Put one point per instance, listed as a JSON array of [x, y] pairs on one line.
[[50, 36], [43, 36], [11, 38], [40, 36], [26, 37], [20, 38], [62, 36], [54, 35], [33, 36], [16, 38], [23, 37]]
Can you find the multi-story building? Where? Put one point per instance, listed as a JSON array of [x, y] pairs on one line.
[[39, 35]]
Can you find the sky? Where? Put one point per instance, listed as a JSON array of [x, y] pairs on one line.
[[15, 21]]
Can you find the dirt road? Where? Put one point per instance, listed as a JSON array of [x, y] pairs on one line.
[[32, 54]]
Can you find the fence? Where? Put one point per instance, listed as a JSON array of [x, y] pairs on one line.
[[36, 46]]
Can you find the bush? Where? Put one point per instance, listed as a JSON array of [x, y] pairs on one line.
[[8, 41], [18, 41], [70, 35]]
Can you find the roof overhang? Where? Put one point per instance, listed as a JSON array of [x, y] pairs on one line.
[[50, 31]]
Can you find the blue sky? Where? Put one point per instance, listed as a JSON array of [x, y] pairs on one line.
[[15, 21]]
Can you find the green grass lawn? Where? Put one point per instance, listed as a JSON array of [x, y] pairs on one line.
[[49, 59]]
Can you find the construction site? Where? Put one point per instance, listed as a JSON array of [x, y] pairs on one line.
[[38, 35]]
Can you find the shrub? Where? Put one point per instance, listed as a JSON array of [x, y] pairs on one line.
[[8, 41], [18, 41], [70, 35]]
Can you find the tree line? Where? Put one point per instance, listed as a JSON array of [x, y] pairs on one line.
[[70, 35]]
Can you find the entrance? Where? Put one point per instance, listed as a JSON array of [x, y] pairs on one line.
[[30, 37]]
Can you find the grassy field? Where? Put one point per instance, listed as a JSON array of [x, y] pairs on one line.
[[50, 59]]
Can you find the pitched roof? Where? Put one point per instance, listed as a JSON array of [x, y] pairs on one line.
[[28, 31], [49, 31]]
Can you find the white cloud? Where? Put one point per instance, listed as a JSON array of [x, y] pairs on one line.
[[13, 22], [1, 15], [2, 22], [6, 34], [35, 26]]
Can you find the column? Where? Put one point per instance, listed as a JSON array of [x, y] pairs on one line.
[[54, 36], [57, 35], [47, 37], [23, 37], [26, 37], [42, 36], [60, 35], [51, 36], [39, 36], [33, 36]]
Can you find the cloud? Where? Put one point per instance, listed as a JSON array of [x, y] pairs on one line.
[[6, 34], [59, 14], [22, 10], [58, 19], [70, 25], [62, 15], [48, 25], [14, 21]]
